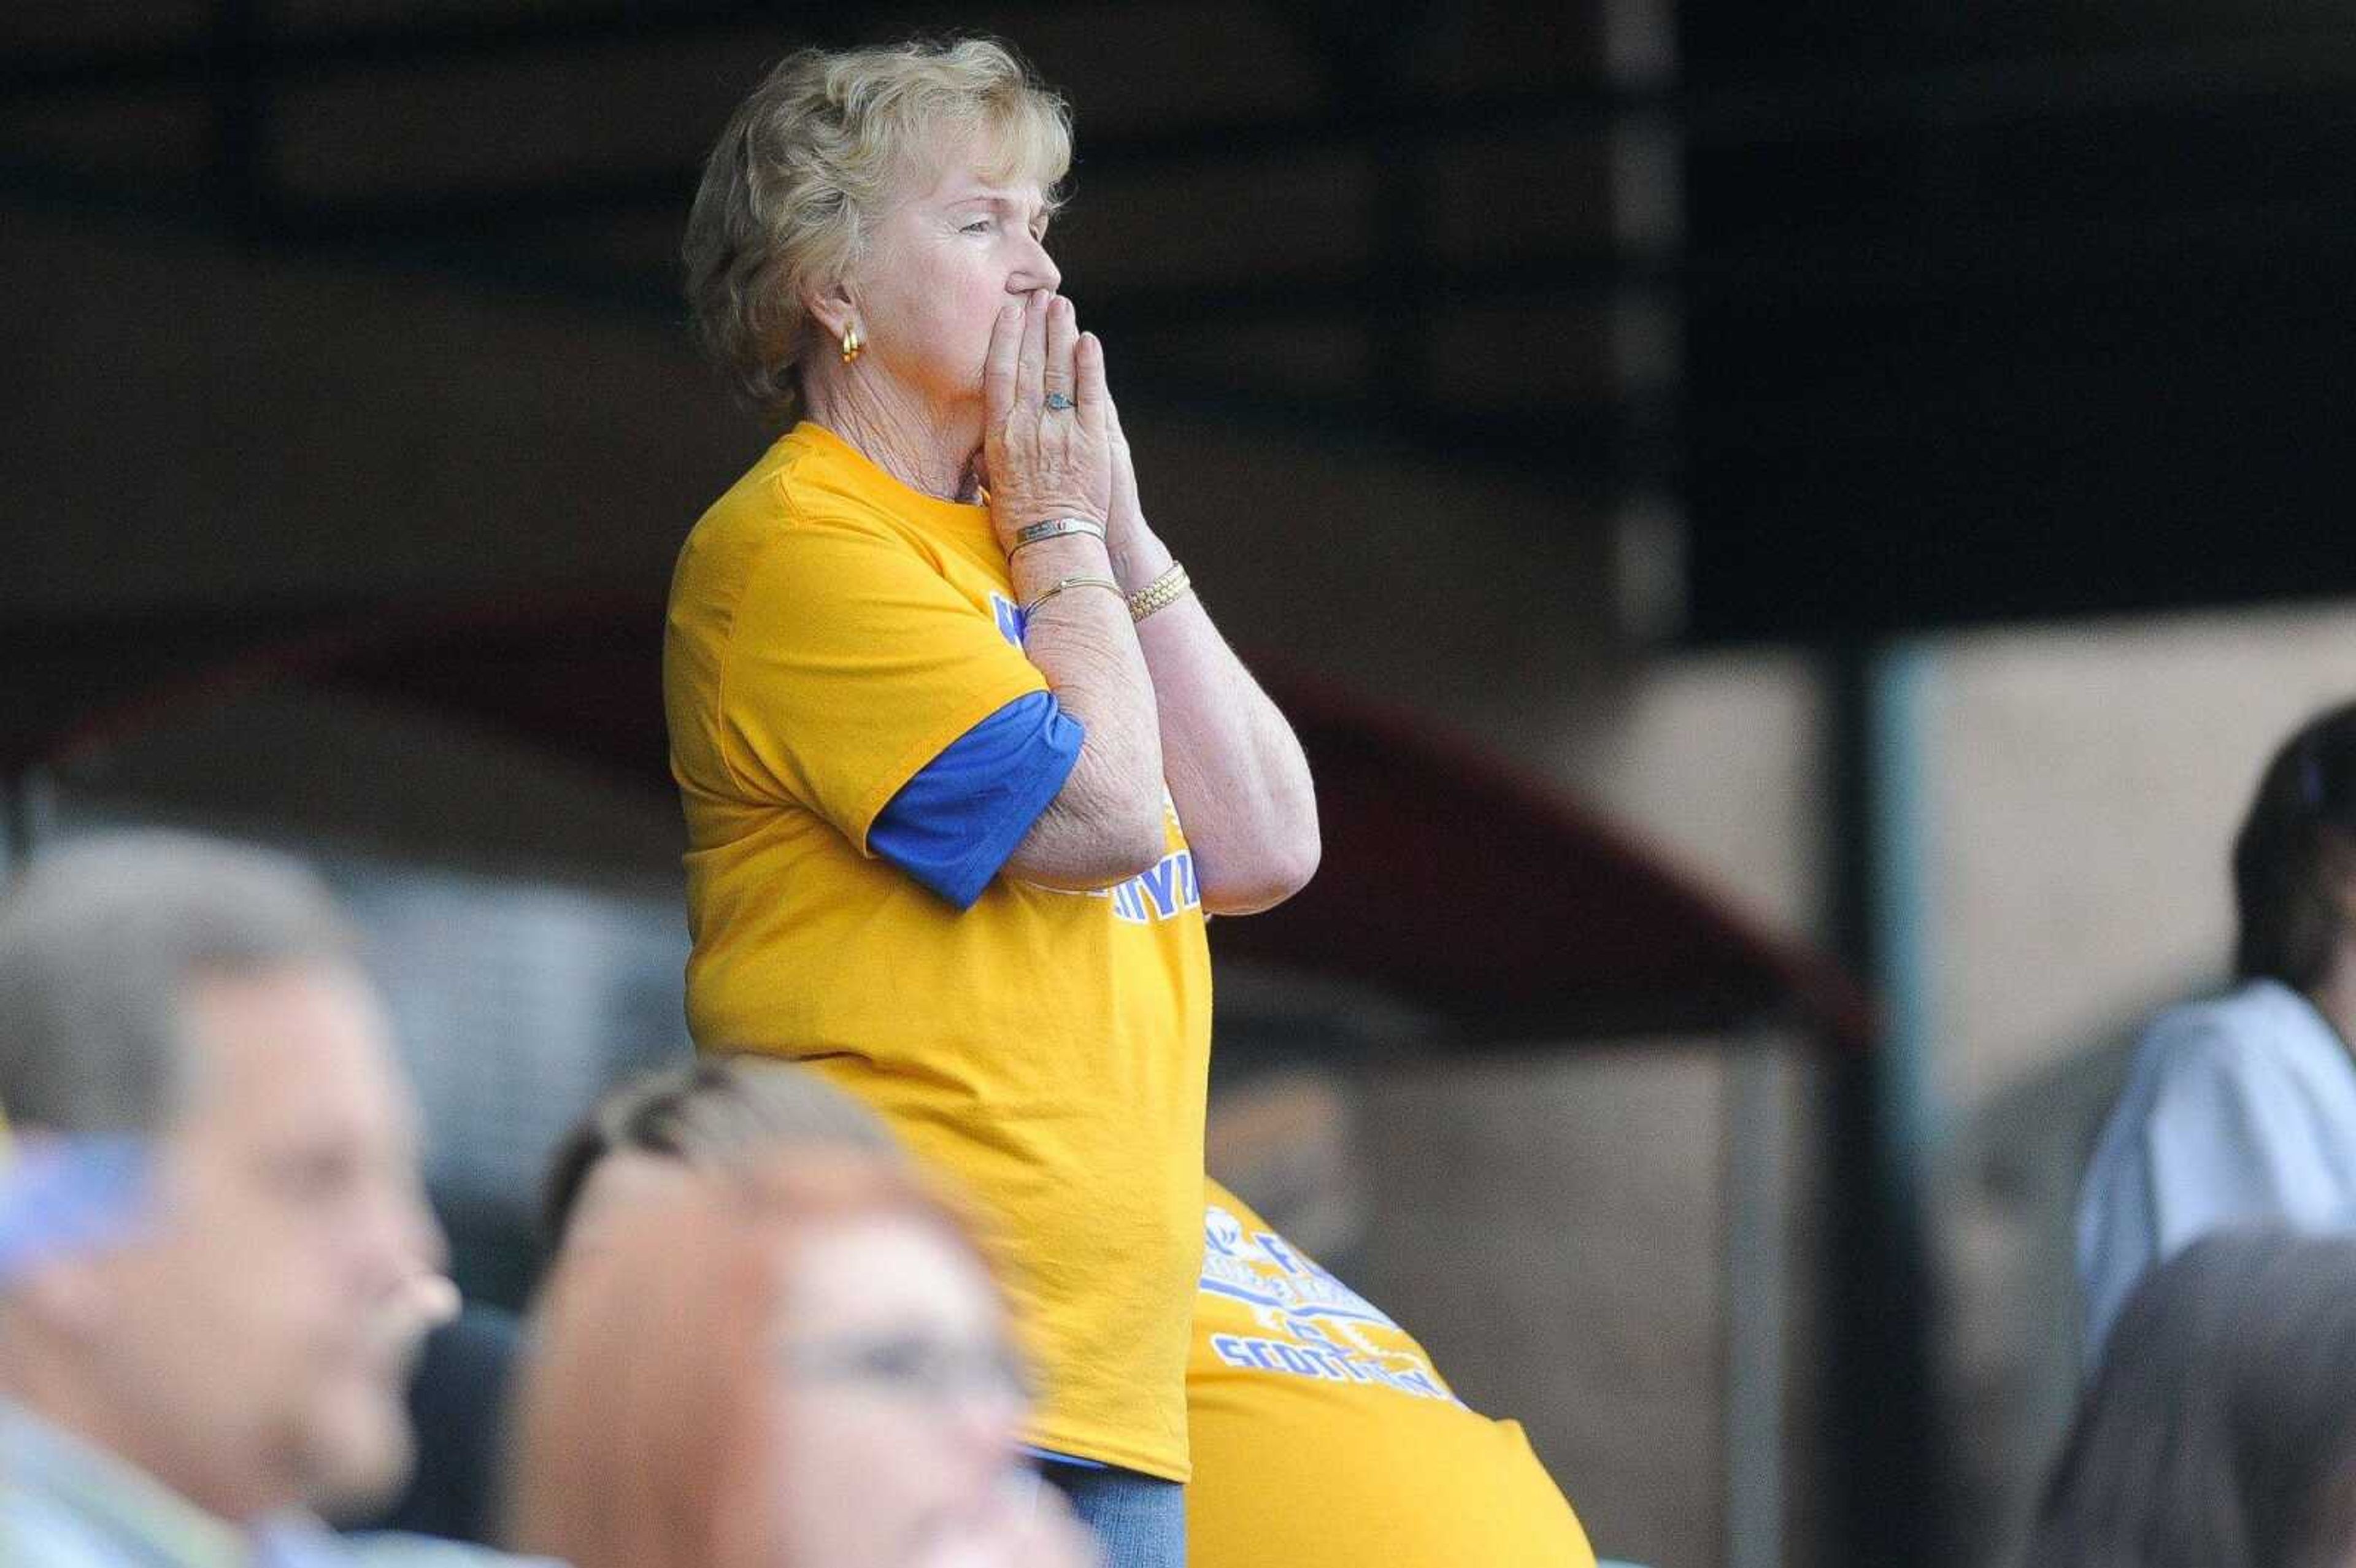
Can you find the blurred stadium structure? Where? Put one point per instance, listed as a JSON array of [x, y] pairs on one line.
[[1557, 342]]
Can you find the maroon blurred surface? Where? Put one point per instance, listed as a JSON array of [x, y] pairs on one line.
[[1450, 881]]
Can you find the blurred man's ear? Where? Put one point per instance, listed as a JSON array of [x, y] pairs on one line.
[[66, 1299]]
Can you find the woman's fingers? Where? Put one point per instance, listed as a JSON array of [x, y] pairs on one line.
[[1118, 437], [1045, 461], [1029, 365], [1093, 447], [1124, 470], [1111, 409], [998, 370], [1063, 338], [1094, 400]]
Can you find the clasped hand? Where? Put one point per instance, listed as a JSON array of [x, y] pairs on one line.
[[1048, 423]]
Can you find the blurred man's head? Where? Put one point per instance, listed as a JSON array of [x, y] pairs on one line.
[[708, 1112], [244, 1335]]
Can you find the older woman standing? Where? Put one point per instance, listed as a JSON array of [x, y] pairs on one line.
[[941, 702]]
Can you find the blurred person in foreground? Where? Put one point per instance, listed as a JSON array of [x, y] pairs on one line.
[[939, 703], [1323, 1436], [2220, 1431], [215, 1256], [2242, 1109], [801, 1363]]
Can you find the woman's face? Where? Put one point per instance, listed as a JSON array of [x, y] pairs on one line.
[[899, 1394], [940, 264]]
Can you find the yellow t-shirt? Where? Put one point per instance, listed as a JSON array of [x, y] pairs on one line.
[[1324, 1439], [830, 631]]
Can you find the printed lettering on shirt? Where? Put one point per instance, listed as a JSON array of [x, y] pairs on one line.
[[1164, 893], [1312, 1325], [1011, 622], [1253, 1353], [1246, 1271], [1168, 889]]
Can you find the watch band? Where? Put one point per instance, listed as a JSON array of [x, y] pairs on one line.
[[1165, 590]]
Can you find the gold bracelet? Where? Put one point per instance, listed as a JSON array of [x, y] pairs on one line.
[[1068, 582], [1161, 593]]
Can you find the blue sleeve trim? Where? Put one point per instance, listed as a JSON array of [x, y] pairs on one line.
[[1049, 1456], [952, 826]]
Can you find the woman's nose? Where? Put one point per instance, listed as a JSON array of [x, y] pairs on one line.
[[1038, 271]]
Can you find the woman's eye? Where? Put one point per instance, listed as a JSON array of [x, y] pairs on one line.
[[979, 225]]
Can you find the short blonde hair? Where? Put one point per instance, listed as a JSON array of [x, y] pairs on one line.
[[814, 157]]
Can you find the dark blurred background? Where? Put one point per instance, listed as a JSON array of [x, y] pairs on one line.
[[1758, 506]]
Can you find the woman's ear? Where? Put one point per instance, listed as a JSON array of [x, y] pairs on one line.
[[832, 309]]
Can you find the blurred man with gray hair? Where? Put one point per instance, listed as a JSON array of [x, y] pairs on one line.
[[216, 1260]]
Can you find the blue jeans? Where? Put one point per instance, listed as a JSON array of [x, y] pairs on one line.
[[1139, 1521]]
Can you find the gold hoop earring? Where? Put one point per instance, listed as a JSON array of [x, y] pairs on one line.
[[852, 344]]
